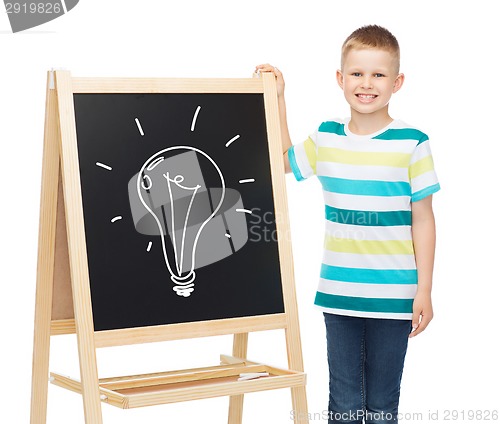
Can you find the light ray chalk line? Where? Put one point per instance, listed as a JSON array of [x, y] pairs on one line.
[[233, 139], [244, 210], [149, 246], [104, 166], [248, 180], [195, 117], [139, 126], [117, 218]]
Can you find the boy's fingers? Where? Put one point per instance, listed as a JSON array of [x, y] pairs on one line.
[[264, 66], [419, 325], [415, 331], [415, 322], [267, 68], [424, 322]]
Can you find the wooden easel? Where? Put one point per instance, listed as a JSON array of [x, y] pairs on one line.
[[63, 300]]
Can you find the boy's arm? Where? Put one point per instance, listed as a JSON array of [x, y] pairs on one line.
[[286, 142], [424, 243]]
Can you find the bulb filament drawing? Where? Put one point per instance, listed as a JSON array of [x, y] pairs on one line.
[[186, 282]]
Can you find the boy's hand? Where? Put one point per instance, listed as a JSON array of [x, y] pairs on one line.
[[280, 82], [422, 313]]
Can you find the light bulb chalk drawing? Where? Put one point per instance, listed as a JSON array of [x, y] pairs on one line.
[[184, 283], [169, 198]]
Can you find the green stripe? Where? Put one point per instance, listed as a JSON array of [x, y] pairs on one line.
[[310, 149], [293, 164], [368, 276], [365, 187], [368, 218], [402, 134], [395, 159], [364, 304], [421, 194], [369, 247], [421, 167], [332, 127]]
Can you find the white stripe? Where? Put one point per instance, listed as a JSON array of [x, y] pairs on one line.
[[355, 260], [421, 151], [423, 181], [366, 146], [362, 232], [362, 314], [372, 291], [116, 218], [313, 137], [248, 180], [399, 124], [361, 172], [367, 203], [302, 161]]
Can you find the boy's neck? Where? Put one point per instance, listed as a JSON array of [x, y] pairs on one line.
[[368, 123]]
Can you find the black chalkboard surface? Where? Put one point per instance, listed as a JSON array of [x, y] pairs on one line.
[[163, 175]]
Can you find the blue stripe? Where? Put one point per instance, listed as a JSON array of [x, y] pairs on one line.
[[364, 304], [421, 194], [402, 134], [369, 276], [365, 187], [367, 218], [332, 127], [293, 164]]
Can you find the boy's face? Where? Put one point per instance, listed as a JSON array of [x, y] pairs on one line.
[[369, 79]]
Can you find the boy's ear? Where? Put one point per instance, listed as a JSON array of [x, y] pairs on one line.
[[340, 79], [398, 83]]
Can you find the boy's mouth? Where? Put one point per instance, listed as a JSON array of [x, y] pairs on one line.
[[366, 98]]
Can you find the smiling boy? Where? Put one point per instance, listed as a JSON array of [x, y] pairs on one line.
[[378, 178]]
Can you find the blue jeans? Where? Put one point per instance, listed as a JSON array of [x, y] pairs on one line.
[[366, 358]]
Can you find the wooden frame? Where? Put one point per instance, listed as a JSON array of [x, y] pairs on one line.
[[63, 301]]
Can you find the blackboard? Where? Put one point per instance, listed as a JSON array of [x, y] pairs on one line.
[[127, 140]]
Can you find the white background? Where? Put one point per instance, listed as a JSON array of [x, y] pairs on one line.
[[449, 56]]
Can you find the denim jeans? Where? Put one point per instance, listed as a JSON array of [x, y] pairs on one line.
[[365, 358]]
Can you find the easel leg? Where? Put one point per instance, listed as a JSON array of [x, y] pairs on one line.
[[78, 258], [240, 346], [295, 362], [299, 404], [40, 374], [41, 353], [45, 267]]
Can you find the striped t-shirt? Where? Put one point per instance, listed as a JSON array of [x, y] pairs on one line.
[[369, 183]]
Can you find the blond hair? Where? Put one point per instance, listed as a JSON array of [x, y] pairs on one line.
[[371, 37]]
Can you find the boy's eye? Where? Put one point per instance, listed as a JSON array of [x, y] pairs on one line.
[[379, 75], [356, 74]]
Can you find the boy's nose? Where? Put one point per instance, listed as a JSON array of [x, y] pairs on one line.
[[367, 82]]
